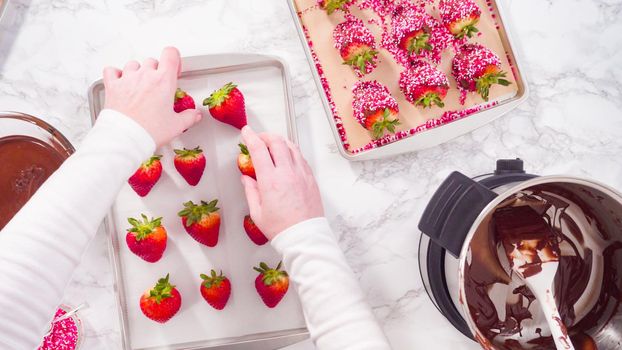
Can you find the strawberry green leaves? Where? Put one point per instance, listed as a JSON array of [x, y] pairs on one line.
[[483, 83], [145, 227], [362, 60], [162, 289]]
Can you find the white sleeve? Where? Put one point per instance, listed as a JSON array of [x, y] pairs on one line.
[[44, 242], [337, 314]]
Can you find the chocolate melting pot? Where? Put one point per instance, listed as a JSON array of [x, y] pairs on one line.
[[473, 285]]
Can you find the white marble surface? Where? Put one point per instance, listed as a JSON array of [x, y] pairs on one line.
[[51, 50]]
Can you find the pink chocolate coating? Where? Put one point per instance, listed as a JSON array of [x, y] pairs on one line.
[[416, 81], [455, 10], [470, 63], [371, 96]]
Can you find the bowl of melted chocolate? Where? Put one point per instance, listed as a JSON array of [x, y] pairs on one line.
[[30, 151], [468, 227]]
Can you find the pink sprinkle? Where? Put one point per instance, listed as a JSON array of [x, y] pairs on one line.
[[420, 79], [471, 63], [64, 335], [455, 10], [371, 96], [382, 7]]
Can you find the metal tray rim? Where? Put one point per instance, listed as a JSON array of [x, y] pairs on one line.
[[299, 333], [386, 150]]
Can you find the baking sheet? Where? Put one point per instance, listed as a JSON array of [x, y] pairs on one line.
[[340, 78], [245, 316]]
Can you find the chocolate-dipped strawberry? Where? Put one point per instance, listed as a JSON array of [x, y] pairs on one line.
[[375, 108], [424, 85], [414, 34], [476, 68], [460, 17], [356, 45]]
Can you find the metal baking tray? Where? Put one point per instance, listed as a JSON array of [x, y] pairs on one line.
[[245, 323], [434, 133]]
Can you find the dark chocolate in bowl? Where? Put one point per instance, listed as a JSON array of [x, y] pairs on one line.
[[588, 285], [30, 151]]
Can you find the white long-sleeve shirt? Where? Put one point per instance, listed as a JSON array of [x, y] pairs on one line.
[[42, 245]]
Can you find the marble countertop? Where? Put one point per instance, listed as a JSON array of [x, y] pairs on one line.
[[51, 51]]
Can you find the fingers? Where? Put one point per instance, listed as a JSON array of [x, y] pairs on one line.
[[170, 62], [110, 74], [187, 119], [150, 63], [131, 66], [279, 150], [298, 158], [252, 196], [258, 151]]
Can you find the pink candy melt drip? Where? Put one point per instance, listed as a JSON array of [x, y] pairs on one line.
[[407, 19], [420, 76], [439, 37], [64, 334], [469, 64], [371, 96]]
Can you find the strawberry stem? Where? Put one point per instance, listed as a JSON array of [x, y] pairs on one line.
[[420, 43], [483, 83], [161, 290], [427, 100], [219, 96], [386, 123], [361, 60], [144, 228], [468, 31]]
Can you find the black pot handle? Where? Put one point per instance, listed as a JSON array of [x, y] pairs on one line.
[[459, 201]]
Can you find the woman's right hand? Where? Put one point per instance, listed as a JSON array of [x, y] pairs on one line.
[[285, 192]]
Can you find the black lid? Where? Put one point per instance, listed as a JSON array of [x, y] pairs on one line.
[[506, 166]]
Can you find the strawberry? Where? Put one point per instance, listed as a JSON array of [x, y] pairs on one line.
[[477, 68], [227, 105], [271, 284], [183, 101], [161, 302], [356, 45], [460, 17], [201, 221], [375, 108], [146, 176], [190, 163], [424, 85], [215, 289], [415, 42], [245, 163], [331, 5], [253, 232], [147, 239]]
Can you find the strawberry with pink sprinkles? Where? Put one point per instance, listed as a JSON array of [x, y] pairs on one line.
[[476, 68], [356, 45], [414, 34], [460, 17], [424, 85], [375, 108], [64, 334]]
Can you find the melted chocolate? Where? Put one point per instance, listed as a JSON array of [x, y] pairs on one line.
[[543, 211], [25, 163]]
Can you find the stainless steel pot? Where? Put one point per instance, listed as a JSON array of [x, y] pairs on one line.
[[457, 236]]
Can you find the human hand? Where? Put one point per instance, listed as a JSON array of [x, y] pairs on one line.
[[146, 93], [285, 192]]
